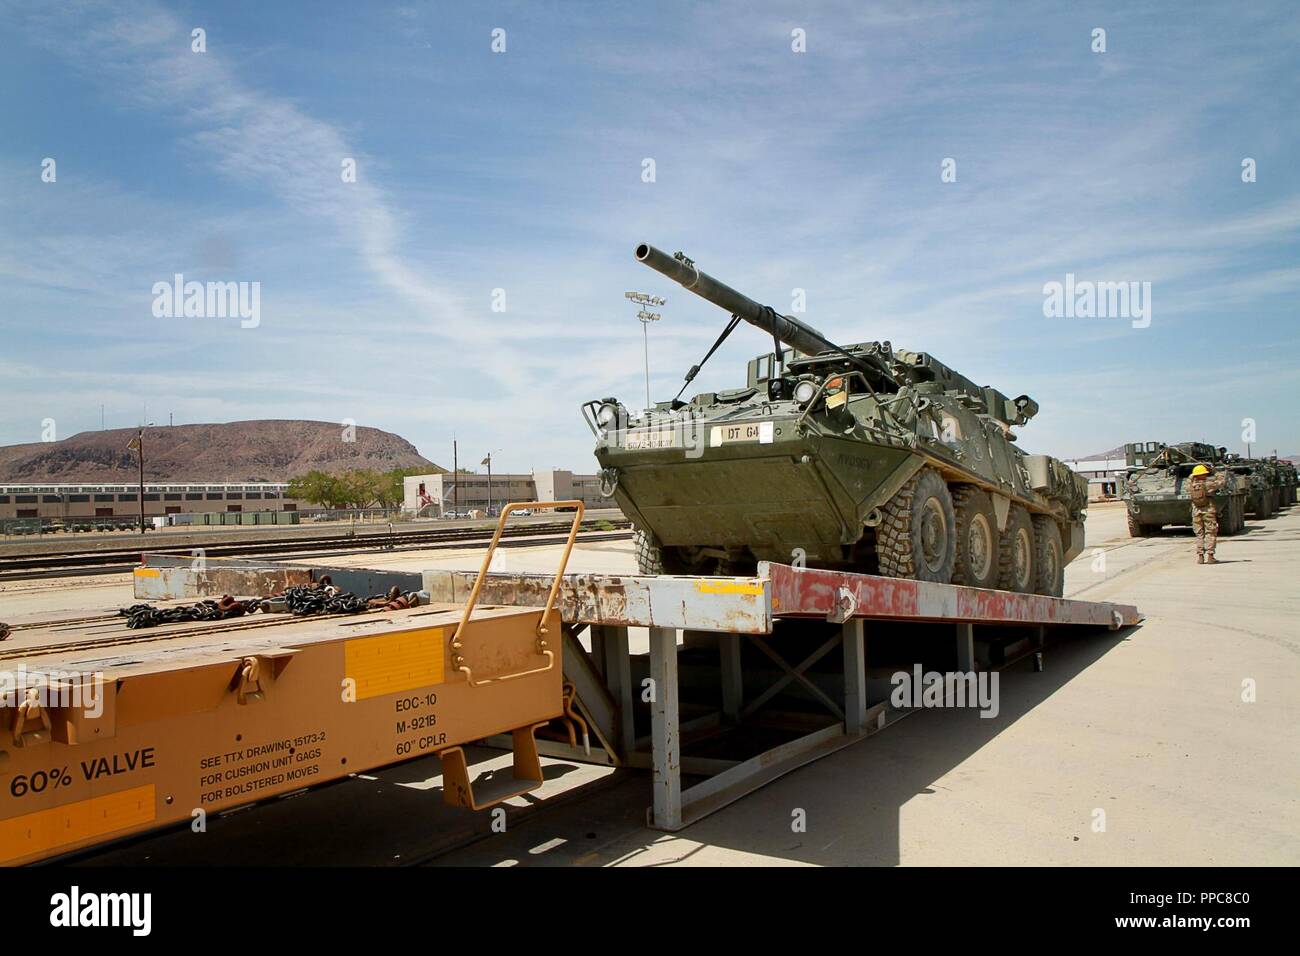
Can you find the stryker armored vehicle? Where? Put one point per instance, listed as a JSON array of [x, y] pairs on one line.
[[1290, 479], [862, 457], [1263, 484], [1158, 494]]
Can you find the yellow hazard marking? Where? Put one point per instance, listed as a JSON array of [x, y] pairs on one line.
[[390, 663], [45, 830], [729, 587], [147, 573]]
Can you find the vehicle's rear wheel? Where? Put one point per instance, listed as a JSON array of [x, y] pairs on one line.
[[1049, 557], [976, 560], [917, 535], [1136, 529], [1016, 552]]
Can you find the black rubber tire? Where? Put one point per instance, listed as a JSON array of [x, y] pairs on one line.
[[1136, 529], [1049, 557], [977, 528], [900, 548], [1266, 505], [649, 557], [1016, 575], [1233, 521]]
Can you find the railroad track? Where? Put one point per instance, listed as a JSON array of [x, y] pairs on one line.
[[19, 567]]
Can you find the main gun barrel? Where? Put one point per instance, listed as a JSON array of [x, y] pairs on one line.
[[791, 331]]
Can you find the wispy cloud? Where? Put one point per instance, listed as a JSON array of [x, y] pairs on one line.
[[775, 170]]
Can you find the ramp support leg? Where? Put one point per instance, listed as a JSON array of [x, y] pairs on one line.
[[618, 678], [855, 676], [665, 731], [733, 679], [966, 647]]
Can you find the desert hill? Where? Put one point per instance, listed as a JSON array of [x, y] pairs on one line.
[[264, 450]]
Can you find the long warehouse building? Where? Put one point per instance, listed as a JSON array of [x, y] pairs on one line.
[[64, 501]]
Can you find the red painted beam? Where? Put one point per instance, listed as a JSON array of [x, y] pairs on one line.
[[808, 592]]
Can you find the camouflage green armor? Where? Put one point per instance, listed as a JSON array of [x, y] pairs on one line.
[[1159, 492], [863, 457]]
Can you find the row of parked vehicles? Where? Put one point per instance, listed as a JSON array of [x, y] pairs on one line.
[[1157, 494], [21, 527]]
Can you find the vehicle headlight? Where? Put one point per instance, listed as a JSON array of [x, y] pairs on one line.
[[804, 392], [607, 415]]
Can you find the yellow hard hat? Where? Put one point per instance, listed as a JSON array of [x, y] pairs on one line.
[[1200, 470]]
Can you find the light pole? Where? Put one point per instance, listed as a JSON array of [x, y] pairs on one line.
[[644, 299], [488, 461]]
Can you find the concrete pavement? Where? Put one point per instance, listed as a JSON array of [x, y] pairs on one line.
[[1138, 748]]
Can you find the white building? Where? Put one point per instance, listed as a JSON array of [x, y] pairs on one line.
[[438, 494], [1104, 475]]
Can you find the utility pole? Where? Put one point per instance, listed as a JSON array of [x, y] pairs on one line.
[[643, 299], [455, 480], [137, 445], [488, 461]]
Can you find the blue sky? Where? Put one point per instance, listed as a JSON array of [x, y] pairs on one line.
[[522, 171]]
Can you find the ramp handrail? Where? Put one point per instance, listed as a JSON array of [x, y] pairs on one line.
[[458, 660]]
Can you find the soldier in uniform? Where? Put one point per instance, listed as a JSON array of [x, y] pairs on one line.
[[1205, 520]]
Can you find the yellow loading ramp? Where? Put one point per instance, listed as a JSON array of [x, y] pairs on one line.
[[133, 730]]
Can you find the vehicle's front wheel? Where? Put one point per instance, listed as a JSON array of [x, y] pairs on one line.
[[917, 536], [654, 558], [649, 556]]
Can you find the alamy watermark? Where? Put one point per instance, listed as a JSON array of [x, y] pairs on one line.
[[208, 300], [951, 689], [53, 689], [1084, 299], [75, 908]]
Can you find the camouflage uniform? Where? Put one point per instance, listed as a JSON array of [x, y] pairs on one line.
[[1205, 519]]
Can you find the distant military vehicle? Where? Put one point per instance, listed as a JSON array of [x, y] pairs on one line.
[[1157, 494], [1290, 479], [861, 457], [1263, 484]]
